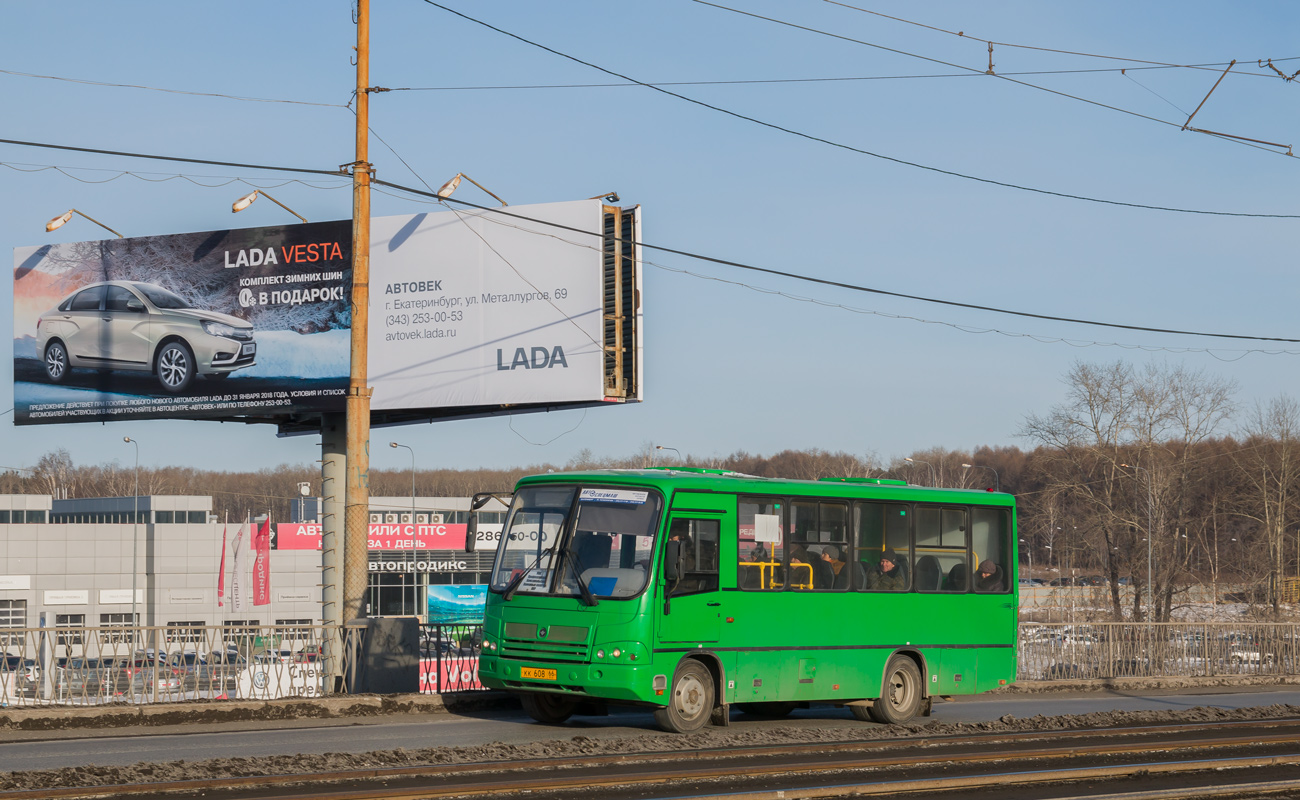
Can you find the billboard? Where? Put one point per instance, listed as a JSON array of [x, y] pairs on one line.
[[218, 324], [471, 313]]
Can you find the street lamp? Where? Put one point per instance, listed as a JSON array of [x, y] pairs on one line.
[[914, 461], [247, 200], [1150, 536], [60, 221], [674, 449], [450, 186], [997, 482], [395, 444], [135, 535]]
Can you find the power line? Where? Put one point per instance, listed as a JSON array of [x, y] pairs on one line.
[[964, 35], [1217, 66], [163, 177], [711, 259], [851, 148], [170, 91], [332, 173], [990, 73], [850, 286]]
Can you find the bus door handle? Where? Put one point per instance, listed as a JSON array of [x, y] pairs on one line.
[[714, 605]]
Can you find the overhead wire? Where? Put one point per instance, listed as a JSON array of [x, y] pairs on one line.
[[989, 73], [854, 287], [849, 148], [697, 256], [1212, 352], [168, 91]]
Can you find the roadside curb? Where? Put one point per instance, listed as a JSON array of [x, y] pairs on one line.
[[1128, 684], [206, 712]]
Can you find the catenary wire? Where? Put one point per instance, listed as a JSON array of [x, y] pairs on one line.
[[838, 79], [854, 287], [1233, 140], [851, 148], [701, 257], [171, 91], [964, 35], [162, 177], [1212, 352]]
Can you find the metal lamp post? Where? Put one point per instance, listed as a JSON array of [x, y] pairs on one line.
[[934, 481], [135, 534], [1150, 536], [408, 447], [997, 482], [674, 449]]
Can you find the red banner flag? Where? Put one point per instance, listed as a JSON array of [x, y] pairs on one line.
[[221, 571], [262, 564]]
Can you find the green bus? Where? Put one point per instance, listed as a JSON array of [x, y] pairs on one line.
[[689, 591]]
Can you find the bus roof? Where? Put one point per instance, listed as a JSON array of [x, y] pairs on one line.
[[669, 479]]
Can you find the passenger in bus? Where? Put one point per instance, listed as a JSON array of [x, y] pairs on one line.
[[990, 578], [801, 569], [823, 572], [889, 576]]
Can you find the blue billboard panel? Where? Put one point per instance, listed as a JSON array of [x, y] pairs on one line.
[[457, 603]]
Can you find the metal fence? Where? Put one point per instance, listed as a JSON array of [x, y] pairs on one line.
[[134, 666], [1064, 651]]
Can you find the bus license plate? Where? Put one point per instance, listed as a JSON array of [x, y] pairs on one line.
[[537, 674]]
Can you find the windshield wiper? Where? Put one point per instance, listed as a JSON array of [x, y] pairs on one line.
[[513, 586], [575, 562]]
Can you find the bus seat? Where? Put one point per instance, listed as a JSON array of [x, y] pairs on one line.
[[956, 581], [928, 574]]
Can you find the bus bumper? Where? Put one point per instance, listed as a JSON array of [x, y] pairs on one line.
[[613, 682]]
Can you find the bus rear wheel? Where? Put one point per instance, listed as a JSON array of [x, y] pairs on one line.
[[548, 708], [691, 700], [900, 697]]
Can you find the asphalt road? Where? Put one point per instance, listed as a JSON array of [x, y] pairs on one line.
[[193, 743]]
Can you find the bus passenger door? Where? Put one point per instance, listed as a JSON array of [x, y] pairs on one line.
[[691, 611]]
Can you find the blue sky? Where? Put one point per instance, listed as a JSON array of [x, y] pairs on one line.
[[727, 367]]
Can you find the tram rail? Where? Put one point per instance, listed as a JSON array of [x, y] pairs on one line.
[[920, 766]]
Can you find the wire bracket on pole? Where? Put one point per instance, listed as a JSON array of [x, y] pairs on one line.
[[1231, 64], [990, 71]]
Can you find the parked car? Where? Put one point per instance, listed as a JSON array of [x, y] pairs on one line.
[[141, 327]]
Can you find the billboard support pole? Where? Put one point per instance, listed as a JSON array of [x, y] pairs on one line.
[[333, 453], [357, 511]]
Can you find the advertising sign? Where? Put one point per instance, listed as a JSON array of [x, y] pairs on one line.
[[457, 603], [449, 674], [530, 308], [307, 536], [475, 308], [191, 326]]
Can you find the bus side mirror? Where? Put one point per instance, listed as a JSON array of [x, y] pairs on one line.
[[471, 533], [673, 561]]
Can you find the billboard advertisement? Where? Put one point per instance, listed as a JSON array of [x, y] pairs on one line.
[[530, 308], [475, 308], [390, 536], [216, 324], [457, 603]]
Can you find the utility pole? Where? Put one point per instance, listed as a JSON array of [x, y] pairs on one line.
[[356, 520]]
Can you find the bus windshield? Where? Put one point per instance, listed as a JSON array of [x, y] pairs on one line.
[[608, 546]]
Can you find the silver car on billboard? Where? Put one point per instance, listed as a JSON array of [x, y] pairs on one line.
[[141, 327]]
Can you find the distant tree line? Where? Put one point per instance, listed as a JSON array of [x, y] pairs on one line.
[[1153, 466]]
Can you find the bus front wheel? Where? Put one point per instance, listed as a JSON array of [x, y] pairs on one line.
[[900, 697], [691, 702], [548, 708]]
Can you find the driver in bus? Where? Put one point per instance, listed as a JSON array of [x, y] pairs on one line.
[[888, 577], [989, 578]]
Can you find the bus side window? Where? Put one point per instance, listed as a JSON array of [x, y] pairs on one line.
[[882, 557], [990, 529], [699, 542], [759, 545]]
